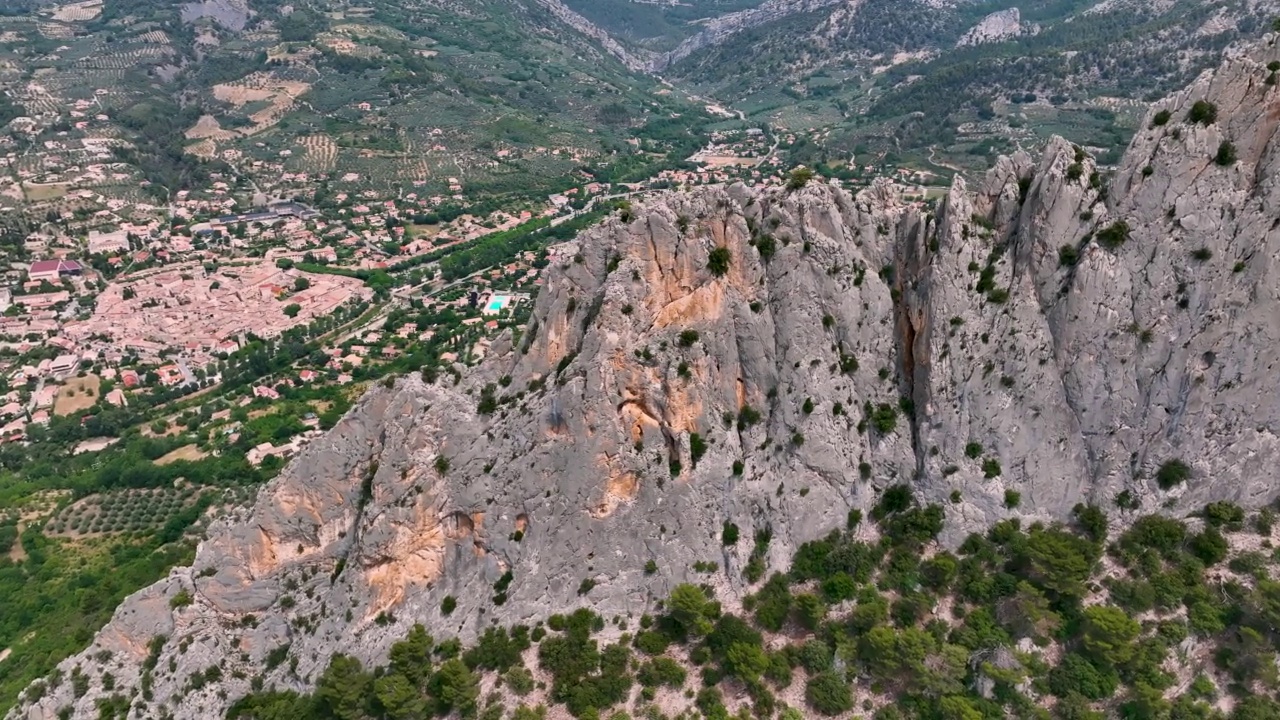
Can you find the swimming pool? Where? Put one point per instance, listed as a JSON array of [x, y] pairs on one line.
[[497, 304]]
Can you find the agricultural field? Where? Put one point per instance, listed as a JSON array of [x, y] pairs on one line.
[[80, 531], [186, 452], [134, 510]]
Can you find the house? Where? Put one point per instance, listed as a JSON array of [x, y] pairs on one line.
[[129, 378], [108, 242], [53, 270], [16, 430], [263, 391], [64, 364], [170, 375]]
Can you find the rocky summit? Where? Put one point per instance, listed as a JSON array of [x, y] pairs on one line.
[[1047, 336]]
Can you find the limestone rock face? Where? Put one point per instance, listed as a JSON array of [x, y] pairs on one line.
[[999, 25], [1041, 337]]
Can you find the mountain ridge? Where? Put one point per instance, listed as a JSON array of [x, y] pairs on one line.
[[1047, 339]]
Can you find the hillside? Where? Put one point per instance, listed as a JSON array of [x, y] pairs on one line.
[[881, 77], [785, 362], [500, 96]]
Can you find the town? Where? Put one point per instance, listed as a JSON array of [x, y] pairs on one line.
[[121, 298]]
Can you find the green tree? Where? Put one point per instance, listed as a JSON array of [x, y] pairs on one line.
[[400, 697], [1027, 613], [1059, 561], [828, 693], [1109, 634], [344, 688], [746, 660], [799, 177], [691, 609], [956, 707], [455, 687], [1172, 472], [411, 656], [292, 309]]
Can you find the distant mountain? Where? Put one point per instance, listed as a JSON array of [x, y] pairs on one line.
[[898, 76], [509, 96]]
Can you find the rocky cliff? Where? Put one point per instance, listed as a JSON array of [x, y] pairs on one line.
[[999, 25], [718, 29], [774, 358], [634, 59]]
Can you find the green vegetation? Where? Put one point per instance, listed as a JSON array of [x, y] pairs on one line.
[[718, 261], [799, 177], [1226, 154], [1114, 235], [1203, 112], [871, 625], [79, 560], [1172, 472]]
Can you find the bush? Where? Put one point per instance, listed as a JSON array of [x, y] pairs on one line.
[[697, 448], [729, 535], [990, 468], [1203, 112], [1171, 473], [1226, 154], [799, 177], [1161, 118], [1223, 513], [839, 587], [1210, 546], [520, 680], [182, 599], [718, 261], [828, 693], [766, 246], [1114, 235], [661, 671], [1068, 256], [884, 418], [688, 338], [1075, 674], [448, 605]]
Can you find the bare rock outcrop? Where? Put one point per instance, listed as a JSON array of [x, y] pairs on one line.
[[718, 29], [999, 25], [1040, 337]]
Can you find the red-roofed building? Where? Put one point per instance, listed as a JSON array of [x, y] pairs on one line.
[[53, 270]]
